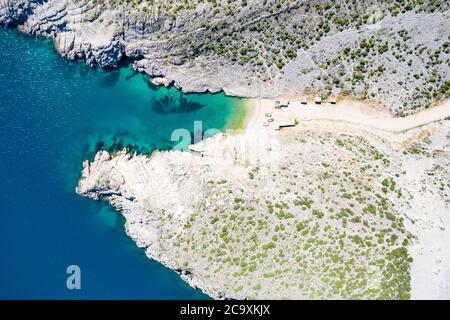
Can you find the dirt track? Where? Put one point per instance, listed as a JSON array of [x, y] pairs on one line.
[[346, 111]]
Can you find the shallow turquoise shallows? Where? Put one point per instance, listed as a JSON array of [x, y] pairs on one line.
[[54, 114]]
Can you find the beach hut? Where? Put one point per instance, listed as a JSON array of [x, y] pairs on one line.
[[303, 100], [318, 100], [277, 105], [284, 104], [286, 124], [333, 100]]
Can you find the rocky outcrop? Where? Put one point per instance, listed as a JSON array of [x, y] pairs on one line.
[[105, 55], [135, 187], [14, 12], [77, 35]]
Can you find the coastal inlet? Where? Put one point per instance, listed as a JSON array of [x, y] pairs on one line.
[[55, 114]]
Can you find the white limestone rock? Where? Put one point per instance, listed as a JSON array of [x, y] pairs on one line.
[[171, 47]]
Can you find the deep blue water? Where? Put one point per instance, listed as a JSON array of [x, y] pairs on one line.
[[53, 115]]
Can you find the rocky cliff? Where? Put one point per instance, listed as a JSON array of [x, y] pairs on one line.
[[393, 52]]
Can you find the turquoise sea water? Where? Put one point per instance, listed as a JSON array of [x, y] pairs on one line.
[[53, 115]]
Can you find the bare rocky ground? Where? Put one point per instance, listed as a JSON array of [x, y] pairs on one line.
[[326, 211], [394, 52]]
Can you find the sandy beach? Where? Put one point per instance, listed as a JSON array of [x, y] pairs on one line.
[[345, 111]]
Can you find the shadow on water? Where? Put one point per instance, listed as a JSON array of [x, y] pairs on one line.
[[112, 75], [150, 84], [123, 140], [131, 76], [110, 79], [168, 105]]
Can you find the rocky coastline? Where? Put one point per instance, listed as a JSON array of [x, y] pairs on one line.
[[174, 49], [239, 222], [196, 212]]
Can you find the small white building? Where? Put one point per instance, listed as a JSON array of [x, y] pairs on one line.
[[288, 123], [304, 100], [284, 103], [333, 100], [318, 100]]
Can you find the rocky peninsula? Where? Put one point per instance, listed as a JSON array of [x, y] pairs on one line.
[[327, 209]]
